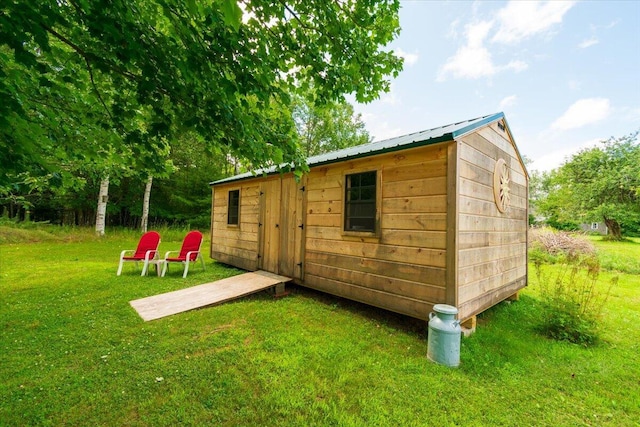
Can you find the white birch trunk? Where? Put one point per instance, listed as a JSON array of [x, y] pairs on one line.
[[144, 223], [103, 196]]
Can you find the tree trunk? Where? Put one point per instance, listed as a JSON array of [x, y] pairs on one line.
[[615, 233], [144, 223], [101, 215]]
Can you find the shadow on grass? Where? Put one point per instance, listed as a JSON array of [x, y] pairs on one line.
[[370, 313], [393, 320]]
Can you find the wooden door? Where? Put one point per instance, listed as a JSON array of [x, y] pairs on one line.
[[269, 225], [282, 227], [291, 228]]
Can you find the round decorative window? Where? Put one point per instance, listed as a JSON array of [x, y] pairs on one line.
[[501, 181]]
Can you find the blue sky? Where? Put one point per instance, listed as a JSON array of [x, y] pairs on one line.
[[566, 74]]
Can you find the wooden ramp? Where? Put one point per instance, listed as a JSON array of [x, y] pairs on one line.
[[169, 303]]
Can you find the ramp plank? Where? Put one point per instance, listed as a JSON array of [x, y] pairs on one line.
[[169, 303]]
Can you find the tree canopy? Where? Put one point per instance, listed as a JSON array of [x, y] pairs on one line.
[[327, 127], [79, 77], [598, 184]]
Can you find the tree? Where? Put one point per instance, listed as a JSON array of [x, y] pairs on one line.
[[211, 67], [327, 127], [184, 196], [548, 202], [56, 129], [103, 196], [144, 219], [600, 183]]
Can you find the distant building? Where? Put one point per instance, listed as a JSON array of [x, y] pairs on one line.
[[595, 227]]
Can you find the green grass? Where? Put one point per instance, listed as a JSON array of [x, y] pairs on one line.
[[34, 232], [73, 352], [621, 256]]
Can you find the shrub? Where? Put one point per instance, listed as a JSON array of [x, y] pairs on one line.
[[573, 299]]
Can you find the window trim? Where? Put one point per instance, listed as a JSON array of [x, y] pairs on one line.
[[236, 224], [378, 203]]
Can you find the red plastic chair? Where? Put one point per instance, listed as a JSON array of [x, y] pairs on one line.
[[189, 252], [146, 251]]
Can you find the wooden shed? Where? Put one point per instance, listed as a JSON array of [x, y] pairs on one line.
[[438, 216]]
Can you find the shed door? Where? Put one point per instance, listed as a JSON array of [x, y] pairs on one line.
[[282, 227], [291, 228], [269, 226]]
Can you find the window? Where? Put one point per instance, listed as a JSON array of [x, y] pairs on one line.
[[233, 208], [360, 202], [594, 226]]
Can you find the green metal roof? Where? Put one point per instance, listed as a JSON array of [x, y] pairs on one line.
[[416, 139]]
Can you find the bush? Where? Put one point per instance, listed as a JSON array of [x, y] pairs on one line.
[[573, 299]]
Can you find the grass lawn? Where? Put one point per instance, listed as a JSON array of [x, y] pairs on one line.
[[73, 352], [621, 256]]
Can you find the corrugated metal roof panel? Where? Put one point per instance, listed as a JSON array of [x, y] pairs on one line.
[[426, 137]]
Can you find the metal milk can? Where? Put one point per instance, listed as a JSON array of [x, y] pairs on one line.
[[443, 341]]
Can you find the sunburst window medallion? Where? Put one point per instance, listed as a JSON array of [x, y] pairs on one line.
[[501, 189]]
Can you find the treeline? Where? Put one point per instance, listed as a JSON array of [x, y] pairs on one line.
[[183, 198]]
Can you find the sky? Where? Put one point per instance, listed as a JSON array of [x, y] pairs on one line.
[[565, 74]]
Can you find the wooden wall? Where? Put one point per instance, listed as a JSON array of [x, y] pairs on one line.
[[401, 267], [236, 245], [492, 246]]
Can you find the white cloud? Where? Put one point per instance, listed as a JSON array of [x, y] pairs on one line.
[[517, 21], [475, 62], [509, 101], [468, 62], [453, 29], [472, 60], [550, 161], [476, 33], [556, 158], [520, 20], [409, 58], [583, 112], [588, 43]]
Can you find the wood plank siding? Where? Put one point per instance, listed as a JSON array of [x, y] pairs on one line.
[[492, 246], [236, 244], [401, 266]]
